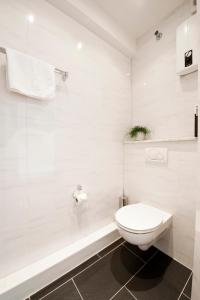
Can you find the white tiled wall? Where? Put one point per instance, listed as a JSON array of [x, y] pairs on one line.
[[165, 103], [48, 147]]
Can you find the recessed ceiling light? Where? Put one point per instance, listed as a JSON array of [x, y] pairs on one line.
[[79, 46]]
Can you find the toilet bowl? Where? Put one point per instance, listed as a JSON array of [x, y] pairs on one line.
[[141, 224]]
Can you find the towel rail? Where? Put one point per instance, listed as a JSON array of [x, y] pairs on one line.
[[64, 74]]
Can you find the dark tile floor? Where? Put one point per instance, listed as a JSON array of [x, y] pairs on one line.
[[122, 272]]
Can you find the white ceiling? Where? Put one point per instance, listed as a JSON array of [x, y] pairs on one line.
[[137, 16]]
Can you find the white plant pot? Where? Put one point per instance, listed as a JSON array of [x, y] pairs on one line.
[[140, 136]]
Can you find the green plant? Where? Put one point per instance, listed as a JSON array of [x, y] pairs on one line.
[[138, 129]]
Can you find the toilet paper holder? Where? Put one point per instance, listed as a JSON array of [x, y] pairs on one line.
[[79, 195]]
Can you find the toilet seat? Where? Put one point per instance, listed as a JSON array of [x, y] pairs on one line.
[[139, 218]]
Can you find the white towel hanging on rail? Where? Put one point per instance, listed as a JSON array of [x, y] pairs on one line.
[[30, 76]]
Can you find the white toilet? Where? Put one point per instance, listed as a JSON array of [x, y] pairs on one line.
[[141, 224]]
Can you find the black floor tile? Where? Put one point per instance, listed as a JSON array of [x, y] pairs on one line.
[[102, 280], [188, 289], [111, 247], [63, 279], [145, 255], [67, 291], [161, 279], [183, 297], [123, 295]]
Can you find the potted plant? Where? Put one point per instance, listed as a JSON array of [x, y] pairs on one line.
[[139, 133]]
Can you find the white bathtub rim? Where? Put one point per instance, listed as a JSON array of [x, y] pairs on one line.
[[25, 275]]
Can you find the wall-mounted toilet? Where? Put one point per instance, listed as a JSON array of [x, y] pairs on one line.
[[141, 224]]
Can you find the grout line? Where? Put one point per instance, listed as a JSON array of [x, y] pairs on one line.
[[116, 240], [134, 274], [86, 268], [182, 292], [100, 257], [72, 278], [178, 262], [134, 254], [130, 293], [77, 289], [110, 250], [186, 296]]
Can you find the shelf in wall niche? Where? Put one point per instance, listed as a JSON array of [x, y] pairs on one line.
[[184, 139]]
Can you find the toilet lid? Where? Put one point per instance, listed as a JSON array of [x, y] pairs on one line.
[[139, 218]]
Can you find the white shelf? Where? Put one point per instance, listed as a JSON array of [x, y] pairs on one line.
[[184, 139]]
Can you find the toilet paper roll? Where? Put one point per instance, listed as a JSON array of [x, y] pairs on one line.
[[80, 197]]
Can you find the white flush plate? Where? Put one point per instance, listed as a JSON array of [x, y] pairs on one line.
[[156, 155]]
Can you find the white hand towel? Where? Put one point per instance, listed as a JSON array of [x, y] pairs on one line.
[[30, 76]]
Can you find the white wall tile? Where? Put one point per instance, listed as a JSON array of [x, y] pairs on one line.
[[165, 103], [48, 147]]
